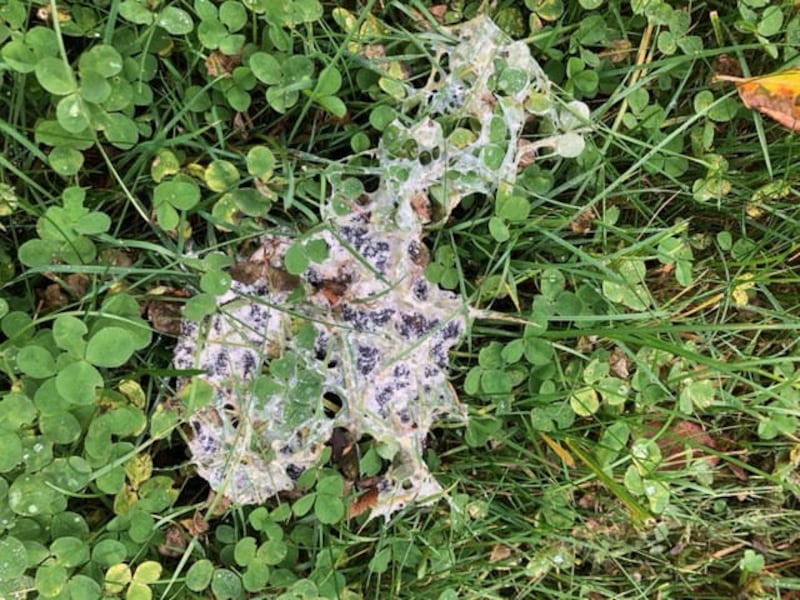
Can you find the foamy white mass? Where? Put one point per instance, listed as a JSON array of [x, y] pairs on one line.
[[370, 332]]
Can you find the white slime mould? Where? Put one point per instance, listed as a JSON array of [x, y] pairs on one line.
[[369, 332]]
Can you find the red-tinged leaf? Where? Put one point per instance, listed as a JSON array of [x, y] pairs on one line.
[[775, 95]]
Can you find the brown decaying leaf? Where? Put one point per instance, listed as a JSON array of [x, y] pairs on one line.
[[773, 95], [345, 454], [217, 503], [250, 271], [45, 14], [164, 313], [617, 50], [683, 440], [725, 64], [116, 257], [174, 542], [243, 124], [363, 503], [526, 153], [221, 65], [165, 317], [619, 363], [499, 552], [53, 298], [421, 205], [582, 224], [57, 295], [197, 525]]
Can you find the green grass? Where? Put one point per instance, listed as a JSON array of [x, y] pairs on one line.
[[630, 375]]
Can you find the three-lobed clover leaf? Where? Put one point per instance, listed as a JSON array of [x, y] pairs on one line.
[[63, 232], [324, 93], [24, 52], [172, 19], [171, 196], [286, 79], [290, 13], [219, 26]]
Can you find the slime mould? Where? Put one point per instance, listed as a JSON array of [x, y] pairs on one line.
[[365, 350]]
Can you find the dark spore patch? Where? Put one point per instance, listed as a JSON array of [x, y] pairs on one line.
[[366, 320], [401, 370], [414, 325], [450, 331], [420, 289], [293, 471], [385, 395], [367, 359], [249, 364], [375, 252], [222, 363]]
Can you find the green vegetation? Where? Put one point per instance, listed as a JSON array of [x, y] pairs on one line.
[[631, 377]]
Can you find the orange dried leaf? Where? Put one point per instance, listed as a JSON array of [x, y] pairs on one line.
[[558, 449], [776, 95]]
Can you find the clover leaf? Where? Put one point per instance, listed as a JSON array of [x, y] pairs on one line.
[[175, 20], [55, 76], [260, 162], [286, 79], [328, 83], [23, 53], [30, 496], [12, 453], [110, 347], [68, 332], [35, 361], [221, 175], [172, 19], [102, 59], [76, 383], [218, 26], [62, 232], [13, 558], [171, 196], [73, 113], [198, 577]]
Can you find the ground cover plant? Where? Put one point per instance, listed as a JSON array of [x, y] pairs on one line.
[[629, 366]]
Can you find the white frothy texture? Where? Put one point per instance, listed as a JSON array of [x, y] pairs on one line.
[[370, 333]]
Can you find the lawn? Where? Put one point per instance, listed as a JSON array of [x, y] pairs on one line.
[[375, 299]]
